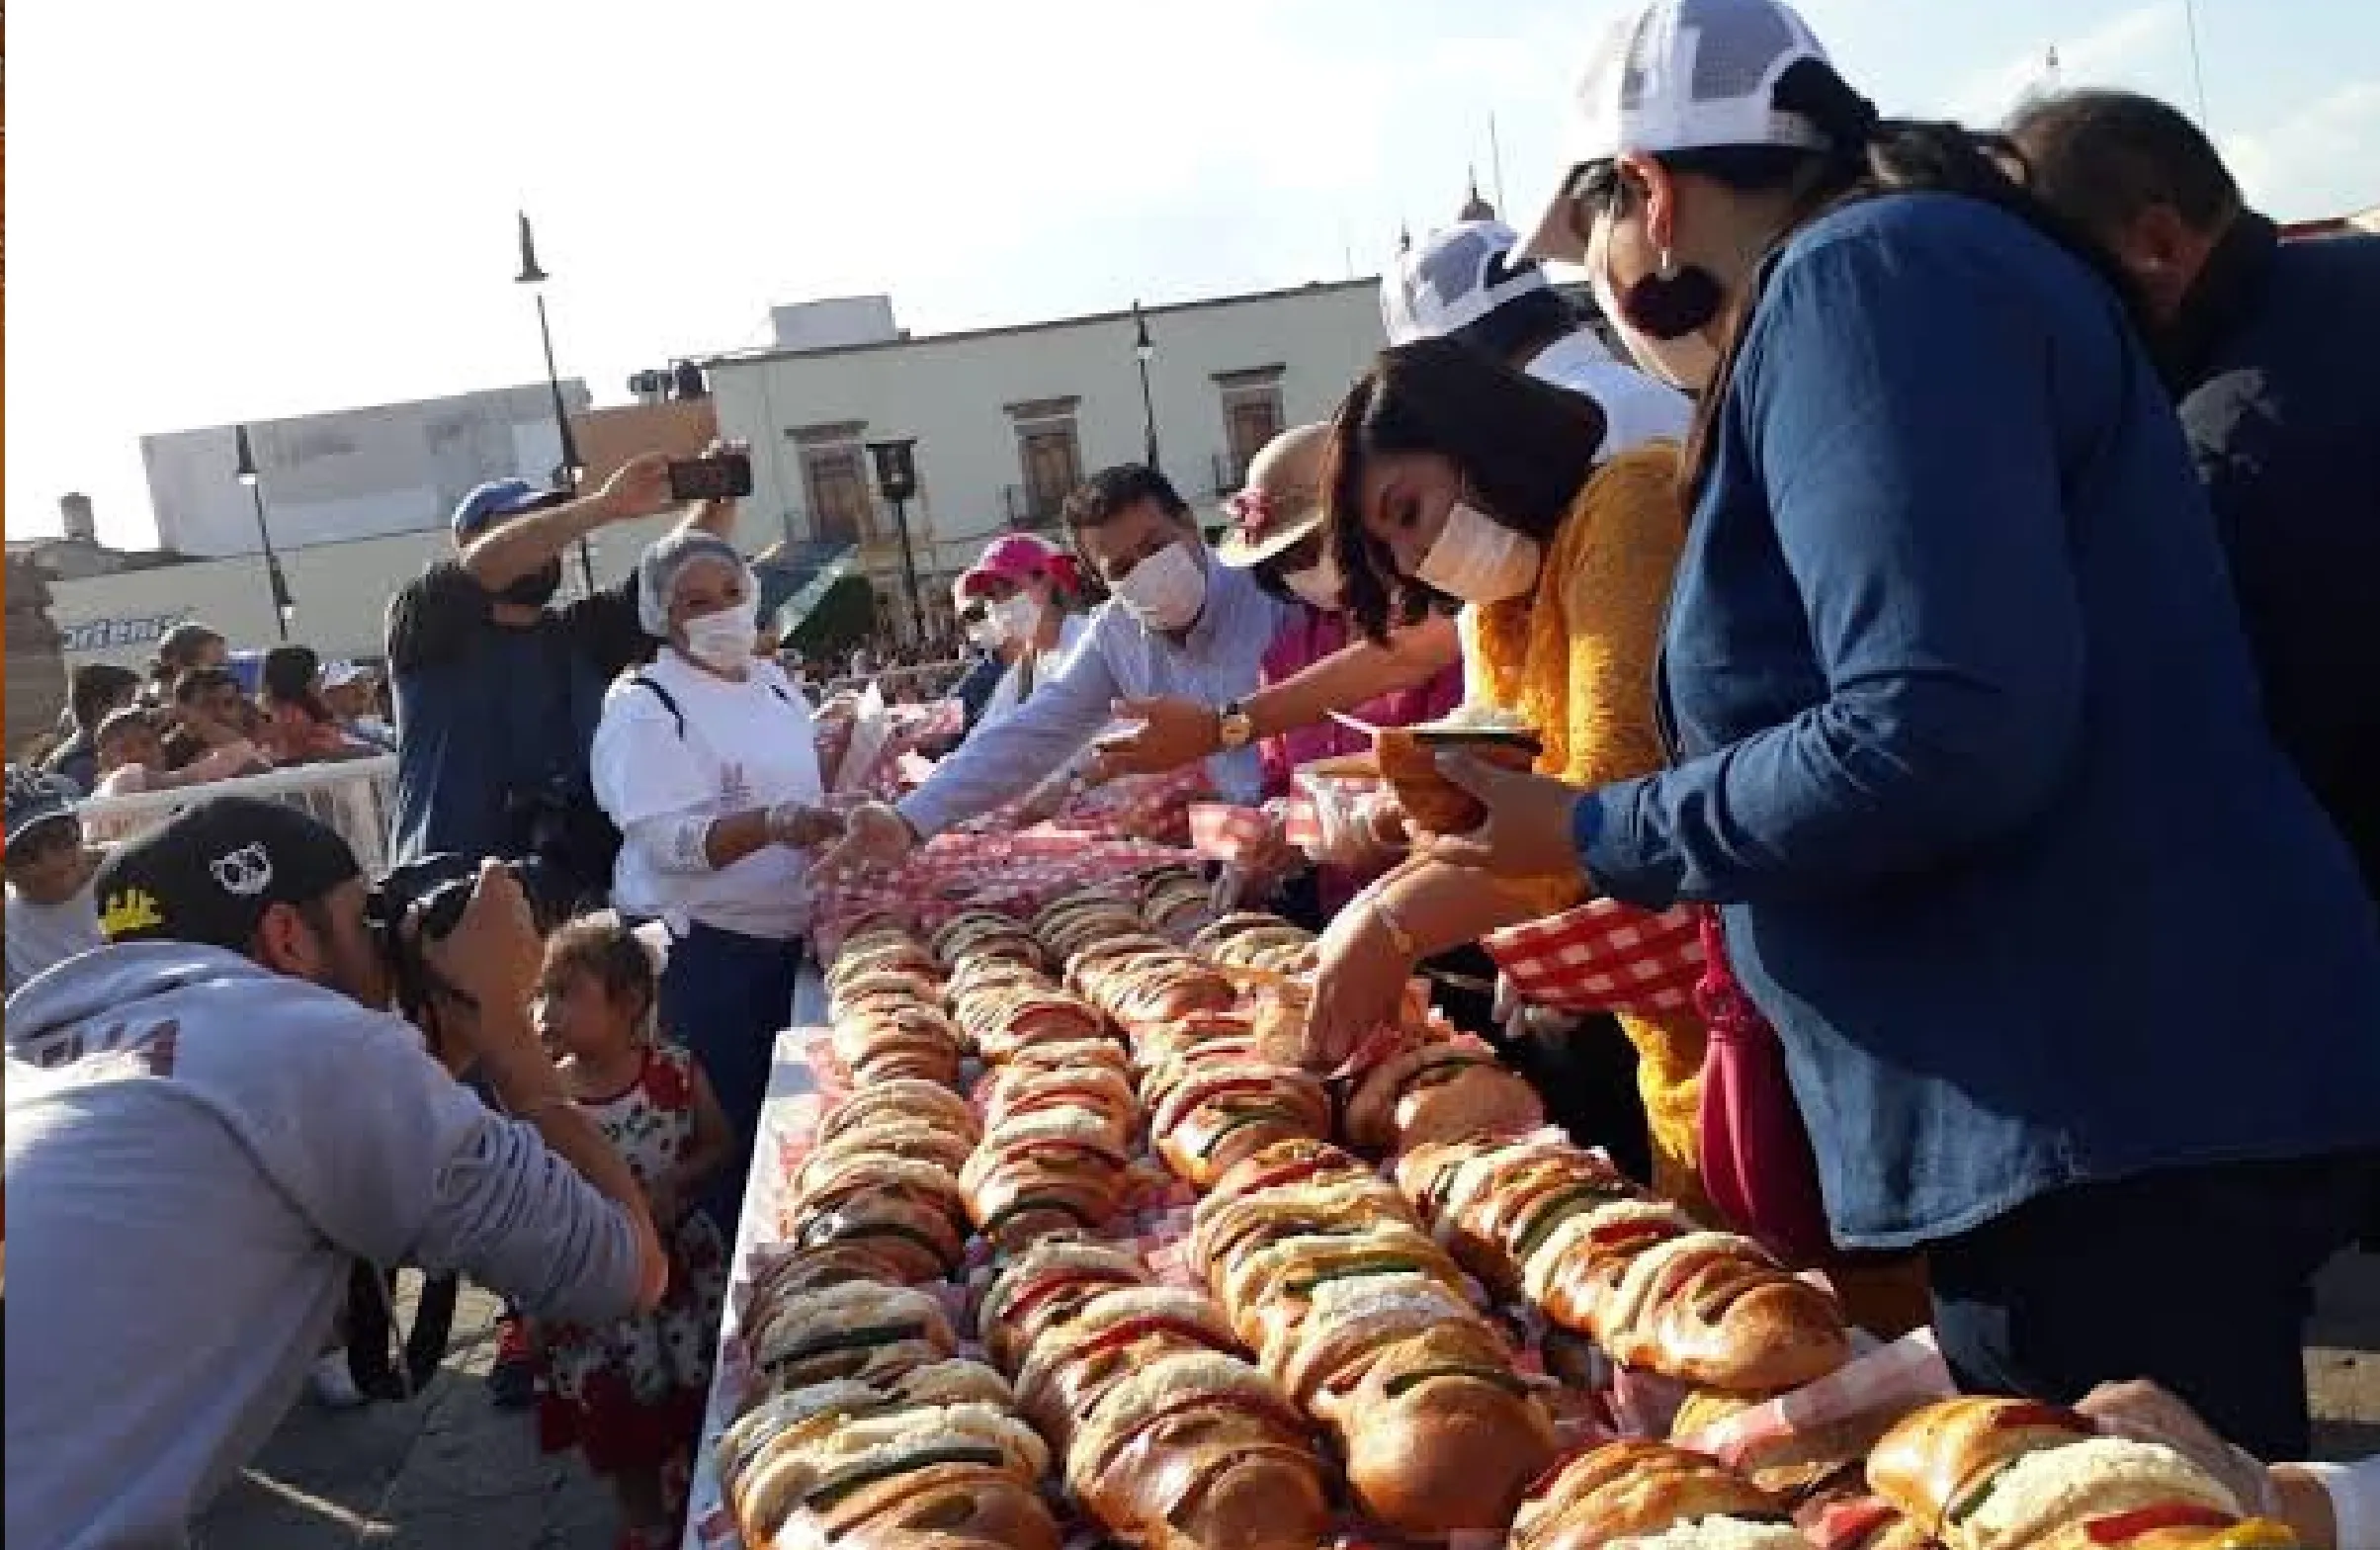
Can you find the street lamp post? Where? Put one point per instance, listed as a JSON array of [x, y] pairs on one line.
[[571, 470], [896, 476], [277, 586], [1145, 352]]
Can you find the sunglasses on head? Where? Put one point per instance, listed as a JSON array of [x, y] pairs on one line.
[[1595, 184], [1593, 188]]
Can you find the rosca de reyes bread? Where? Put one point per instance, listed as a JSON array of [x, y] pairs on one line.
[[2000, 1474], [1640, 1493], [1408, 761], [1602, 1258]]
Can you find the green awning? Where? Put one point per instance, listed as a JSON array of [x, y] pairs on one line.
[[793, 586]]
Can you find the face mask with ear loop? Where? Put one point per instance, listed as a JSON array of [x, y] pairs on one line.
[[1318, 585], [1661, 316], [1166, 591], [723, 640], [1018, 618], [1478, 559]]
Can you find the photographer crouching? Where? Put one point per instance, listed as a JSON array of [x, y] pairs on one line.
[[209, 1118]]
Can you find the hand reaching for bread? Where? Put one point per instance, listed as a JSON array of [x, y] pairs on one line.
[[2142, 1411]]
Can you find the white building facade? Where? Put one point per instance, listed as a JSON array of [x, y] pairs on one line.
[[351, 474], [1006, 421]]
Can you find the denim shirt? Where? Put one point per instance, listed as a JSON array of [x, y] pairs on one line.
[[1971, 751]]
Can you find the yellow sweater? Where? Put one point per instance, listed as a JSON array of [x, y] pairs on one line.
[[1575, 657]]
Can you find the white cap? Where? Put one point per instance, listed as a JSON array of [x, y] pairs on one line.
[[1453, 280], [1680, 75]]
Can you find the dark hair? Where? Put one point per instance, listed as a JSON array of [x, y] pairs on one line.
[[2104, 156], [1524, 446], [1866, 156], [179, 647], [196, 681], [602, 947], [115, 723], [289, 679], [1110, 492], [94, 690], [1525, 324]]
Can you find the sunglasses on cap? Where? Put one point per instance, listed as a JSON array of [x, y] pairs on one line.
[[1593, 188]]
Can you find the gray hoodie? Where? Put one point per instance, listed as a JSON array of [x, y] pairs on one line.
[[195, 1147]]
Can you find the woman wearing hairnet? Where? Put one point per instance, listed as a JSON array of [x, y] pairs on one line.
[[707, 761]]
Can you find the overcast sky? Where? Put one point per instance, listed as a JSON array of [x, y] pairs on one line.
[[259, 208]]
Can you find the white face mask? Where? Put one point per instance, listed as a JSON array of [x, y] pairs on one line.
[[1686, 362], [984, 634], [1167, 590], [1317, 584], [723, 640], [1017, 618], [1480, 559]]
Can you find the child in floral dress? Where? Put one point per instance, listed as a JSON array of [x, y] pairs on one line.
[[630, 1395]]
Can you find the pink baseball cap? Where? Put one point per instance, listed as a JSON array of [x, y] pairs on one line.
[[1018, 558]]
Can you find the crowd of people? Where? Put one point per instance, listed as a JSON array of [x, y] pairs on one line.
[[189, 723], [1953, 597]]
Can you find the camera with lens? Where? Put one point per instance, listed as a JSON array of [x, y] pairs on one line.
[[419, 902], [556, 825]]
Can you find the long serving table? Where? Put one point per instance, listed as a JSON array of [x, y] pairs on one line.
[[790, 1079]]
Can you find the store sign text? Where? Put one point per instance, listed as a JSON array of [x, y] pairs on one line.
[[103, 635]]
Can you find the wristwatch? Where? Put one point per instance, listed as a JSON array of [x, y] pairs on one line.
[[1234, 729]]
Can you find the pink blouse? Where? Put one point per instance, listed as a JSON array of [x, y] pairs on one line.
[[1308, 636]]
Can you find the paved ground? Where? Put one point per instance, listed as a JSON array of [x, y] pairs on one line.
[[450, 1469]]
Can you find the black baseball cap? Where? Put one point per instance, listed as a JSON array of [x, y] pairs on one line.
[[210, 871], [36, 800]]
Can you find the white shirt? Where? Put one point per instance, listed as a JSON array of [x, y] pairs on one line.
[[1010, 693], [744, 745], [40, 935], [1636, 407]]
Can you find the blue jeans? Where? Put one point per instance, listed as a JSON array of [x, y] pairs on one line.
[[724, 996]]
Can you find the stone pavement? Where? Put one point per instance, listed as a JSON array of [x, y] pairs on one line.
[[446, 1470], [450, 1470]]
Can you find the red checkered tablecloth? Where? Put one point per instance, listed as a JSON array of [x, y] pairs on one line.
[[1138, 807], [1227, 831], [1603, 956]]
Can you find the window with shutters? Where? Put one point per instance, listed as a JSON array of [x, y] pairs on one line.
[[841, 502], [1048, 457], [1251, 416]]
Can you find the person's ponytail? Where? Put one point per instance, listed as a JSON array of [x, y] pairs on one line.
[[1918, 155], [1868, 156]]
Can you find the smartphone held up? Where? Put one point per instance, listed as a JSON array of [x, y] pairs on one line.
[[724, 476]]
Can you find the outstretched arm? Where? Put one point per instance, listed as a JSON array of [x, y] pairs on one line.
[[1176, 731]]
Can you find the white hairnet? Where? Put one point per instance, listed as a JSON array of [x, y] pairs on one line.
[[658, 572]]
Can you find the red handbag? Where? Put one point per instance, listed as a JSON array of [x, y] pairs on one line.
[[1757, 1167]]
